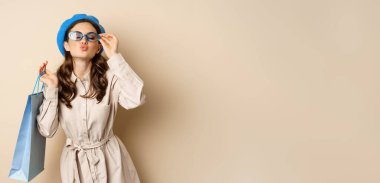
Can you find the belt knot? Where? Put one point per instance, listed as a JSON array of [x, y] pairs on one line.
[[86, 156]]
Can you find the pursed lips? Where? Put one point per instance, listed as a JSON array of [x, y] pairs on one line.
[[84, 48]]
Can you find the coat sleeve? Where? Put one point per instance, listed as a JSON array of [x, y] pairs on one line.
[[128, 86], [47, 119]]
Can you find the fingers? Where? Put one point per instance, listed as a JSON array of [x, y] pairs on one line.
[[109, 43], [43, 78], [48, 71], [104, 42], [105, 39], [47, 75], [108, 37]]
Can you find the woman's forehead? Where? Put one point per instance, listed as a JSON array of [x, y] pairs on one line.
[[84, 27]]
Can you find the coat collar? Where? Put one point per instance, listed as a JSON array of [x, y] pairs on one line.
[[74, 78]]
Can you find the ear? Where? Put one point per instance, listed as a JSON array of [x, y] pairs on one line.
[[66, 45]]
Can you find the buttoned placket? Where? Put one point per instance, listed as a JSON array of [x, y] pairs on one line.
[[85, 153], [84, 112]]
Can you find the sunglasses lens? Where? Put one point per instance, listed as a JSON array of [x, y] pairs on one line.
[[92, 36], [76, 36]]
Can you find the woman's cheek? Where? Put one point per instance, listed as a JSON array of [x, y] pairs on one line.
[[95, 48]]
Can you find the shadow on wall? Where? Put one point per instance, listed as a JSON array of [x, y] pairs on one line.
[[139, 125]]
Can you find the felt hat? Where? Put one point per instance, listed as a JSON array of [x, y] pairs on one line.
[[67, 23]]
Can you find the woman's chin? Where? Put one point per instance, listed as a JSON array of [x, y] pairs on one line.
[[83, 55]]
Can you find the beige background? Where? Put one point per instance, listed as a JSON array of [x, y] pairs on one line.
[[237, 91]]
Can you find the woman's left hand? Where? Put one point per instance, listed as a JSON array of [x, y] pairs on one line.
[[109, 43]]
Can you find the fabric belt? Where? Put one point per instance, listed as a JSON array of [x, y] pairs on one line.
[[85, 155]]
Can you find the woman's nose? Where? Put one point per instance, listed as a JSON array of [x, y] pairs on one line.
[[84, 41]]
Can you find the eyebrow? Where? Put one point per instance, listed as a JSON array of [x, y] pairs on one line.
[[83, 32]]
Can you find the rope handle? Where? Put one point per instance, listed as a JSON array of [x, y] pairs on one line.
[[37, 83]]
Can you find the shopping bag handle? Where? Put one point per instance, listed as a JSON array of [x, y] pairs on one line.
[[37, 83]]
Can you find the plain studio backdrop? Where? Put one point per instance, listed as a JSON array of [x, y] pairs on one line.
[[237, 91]]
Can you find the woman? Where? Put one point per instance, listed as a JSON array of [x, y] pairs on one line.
[[83, 97]]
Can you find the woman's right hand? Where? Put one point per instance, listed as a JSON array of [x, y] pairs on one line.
[[50, 79]]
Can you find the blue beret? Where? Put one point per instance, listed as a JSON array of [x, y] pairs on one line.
[[67, 23]]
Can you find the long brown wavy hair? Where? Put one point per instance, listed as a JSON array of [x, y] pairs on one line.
[[67, 90]]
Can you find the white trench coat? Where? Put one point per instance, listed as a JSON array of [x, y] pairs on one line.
[[92, 153]]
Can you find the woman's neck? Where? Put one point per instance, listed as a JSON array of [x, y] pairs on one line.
[[81, 67]]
